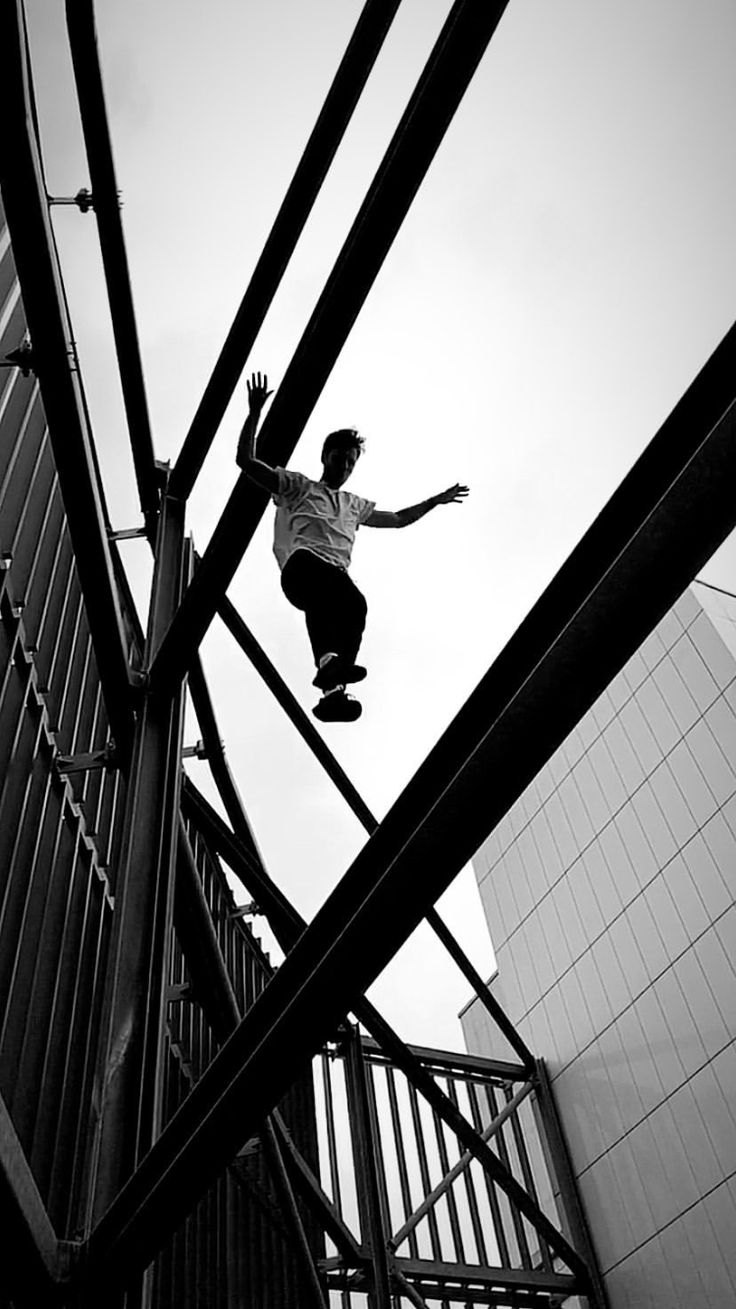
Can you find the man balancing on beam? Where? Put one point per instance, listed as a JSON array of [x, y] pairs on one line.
[[315, 528]]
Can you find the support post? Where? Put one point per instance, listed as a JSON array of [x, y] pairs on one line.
[[560, 1169], [129, 1088], [372, 1227]]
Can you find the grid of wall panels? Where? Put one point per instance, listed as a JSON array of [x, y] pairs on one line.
[[610, 892]]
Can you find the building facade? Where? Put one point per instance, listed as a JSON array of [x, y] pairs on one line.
[[610, 894]]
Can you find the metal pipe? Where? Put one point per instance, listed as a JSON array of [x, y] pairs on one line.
[[33, 249], [451, 1176], [337, 110], [80, 20], [440, 89]]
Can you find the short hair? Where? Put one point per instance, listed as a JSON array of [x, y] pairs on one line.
[[345, 438]]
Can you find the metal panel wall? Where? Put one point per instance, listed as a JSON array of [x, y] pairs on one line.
[[60, 839], [58, 835]]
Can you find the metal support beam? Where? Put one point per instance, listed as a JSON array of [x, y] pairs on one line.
[[372, 1223], [440, 89], [80, 19], [293, 710], [560, 1169], [312, 1282], [31, 1263], [464, 1277], [288, 702], [674, 508], [24, 198], [489, 1001], [352, 75], [198, 939], [130, 1083], [311, 1191]]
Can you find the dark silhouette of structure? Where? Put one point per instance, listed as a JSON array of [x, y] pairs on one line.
[[159, 1126]]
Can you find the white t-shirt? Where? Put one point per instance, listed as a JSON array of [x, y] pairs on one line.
[[313, 516]]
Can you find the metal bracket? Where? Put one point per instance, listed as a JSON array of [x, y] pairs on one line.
[[126, 534], [22, 357], [197, 751], [245, 910], [87, 763], [84, 200]]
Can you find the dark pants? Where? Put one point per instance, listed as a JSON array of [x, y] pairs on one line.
[[333, 606]]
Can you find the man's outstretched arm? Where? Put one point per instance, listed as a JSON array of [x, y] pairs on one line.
[[245, 458], [403, 517]]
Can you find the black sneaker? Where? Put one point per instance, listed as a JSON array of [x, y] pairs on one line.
[[337, 707], [354, 673]]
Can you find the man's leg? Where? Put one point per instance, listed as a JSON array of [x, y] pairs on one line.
[[316, 587], [335, 613], [353, 611]]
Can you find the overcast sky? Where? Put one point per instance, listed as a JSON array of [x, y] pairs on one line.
[[566, 269]]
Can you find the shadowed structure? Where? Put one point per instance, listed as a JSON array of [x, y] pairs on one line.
[[178, 1118]]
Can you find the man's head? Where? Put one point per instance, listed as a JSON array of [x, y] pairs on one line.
[[340, 453]]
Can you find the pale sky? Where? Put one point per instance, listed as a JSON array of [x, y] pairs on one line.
[[566, 269]]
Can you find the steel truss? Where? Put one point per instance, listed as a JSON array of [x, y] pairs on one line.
[[149, 1168]]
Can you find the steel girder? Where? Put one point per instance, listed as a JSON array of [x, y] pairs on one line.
[[129, 1076], [337, 110], [288, 702], [672, 510], [440, 89]]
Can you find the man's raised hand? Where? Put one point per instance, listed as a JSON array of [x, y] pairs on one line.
[[453, 495], [258, 392]]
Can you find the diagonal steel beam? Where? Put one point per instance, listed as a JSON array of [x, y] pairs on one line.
[[24, 197], [440, 89], [32, 1266], [80, 17], [313, 1287], [288, 926], [673, 509], [311, 1191], [350, 79], [288, 702]]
